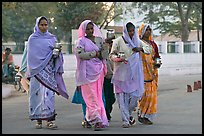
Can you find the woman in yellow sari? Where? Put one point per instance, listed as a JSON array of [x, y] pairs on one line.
[[148, 103]]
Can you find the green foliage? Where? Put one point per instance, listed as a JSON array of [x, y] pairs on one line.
[[18, 20], [69, 15], [168, 17]]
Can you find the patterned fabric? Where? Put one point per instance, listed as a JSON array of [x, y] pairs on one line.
[[39, 53], [148, 66], [148, 102], [46, 76], [41, 101]]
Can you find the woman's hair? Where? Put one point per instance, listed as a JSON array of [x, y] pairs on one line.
[[91, 23], [129, 25], [42, 19], [8, 49]]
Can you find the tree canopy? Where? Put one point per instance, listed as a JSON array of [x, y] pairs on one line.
[[18, 18]]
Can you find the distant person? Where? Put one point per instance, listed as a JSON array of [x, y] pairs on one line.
[[128, 78], [90, 72], [7, 63], [108, 87], [148, 103], [22, 71], [44, 71]]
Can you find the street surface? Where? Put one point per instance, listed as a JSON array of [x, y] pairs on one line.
[[179, 111]]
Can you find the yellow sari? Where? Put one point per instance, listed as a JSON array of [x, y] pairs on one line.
[[148, 103]]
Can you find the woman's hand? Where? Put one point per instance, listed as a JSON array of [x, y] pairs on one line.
[[120, 60], [98, 55]]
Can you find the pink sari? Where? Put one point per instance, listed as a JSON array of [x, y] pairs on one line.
[[90, 76], [92, 94]]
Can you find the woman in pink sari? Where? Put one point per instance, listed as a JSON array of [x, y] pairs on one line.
[[90, 72]]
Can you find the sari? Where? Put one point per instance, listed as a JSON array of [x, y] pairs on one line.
[[90, 77], [148, 102], [45, 75]]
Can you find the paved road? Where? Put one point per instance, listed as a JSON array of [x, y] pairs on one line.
[[179, 112]]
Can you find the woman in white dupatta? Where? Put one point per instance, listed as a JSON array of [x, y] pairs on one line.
[[128, 78]]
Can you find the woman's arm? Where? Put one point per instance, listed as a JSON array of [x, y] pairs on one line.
[[147, 49], [85, 55]]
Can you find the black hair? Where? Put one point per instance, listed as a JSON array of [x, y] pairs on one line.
[[90, 23], [43, 17], [8, 49], [129, 25]]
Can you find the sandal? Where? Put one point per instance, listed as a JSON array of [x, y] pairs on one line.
[[97, 126], [132, 121], [125, 125], [85, 124], [51, 125], [140, 119], [147, 121], [38, 125]]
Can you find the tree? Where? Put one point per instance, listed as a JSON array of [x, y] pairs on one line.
[[112, 12], [172, 17], [69, 15], [18, 19], [6, 7]]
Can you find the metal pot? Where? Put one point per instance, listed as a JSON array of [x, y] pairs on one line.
[[157, 63], [56, 49], [110, 33], [121, 55]]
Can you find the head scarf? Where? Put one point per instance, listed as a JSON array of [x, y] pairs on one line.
[[39, 52], [133, 69], [82, 29], [142, 30], [40, 48], [88, 70], [135, 41]]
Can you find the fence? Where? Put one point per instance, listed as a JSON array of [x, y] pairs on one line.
[[164, 47]]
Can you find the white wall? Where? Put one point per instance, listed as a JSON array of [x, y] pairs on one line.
[[181, 63], [172, 63]]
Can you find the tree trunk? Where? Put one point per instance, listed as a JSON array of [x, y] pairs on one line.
[[184, 32], [184, 21]]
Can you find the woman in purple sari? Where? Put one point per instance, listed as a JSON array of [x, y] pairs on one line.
[[45, 74], [90, 72]]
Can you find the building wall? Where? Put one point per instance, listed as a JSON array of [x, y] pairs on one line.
[[181, 63], [172, 64]]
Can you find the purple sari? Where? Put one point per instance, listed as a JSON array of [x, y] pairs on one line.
[[40, 49]]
